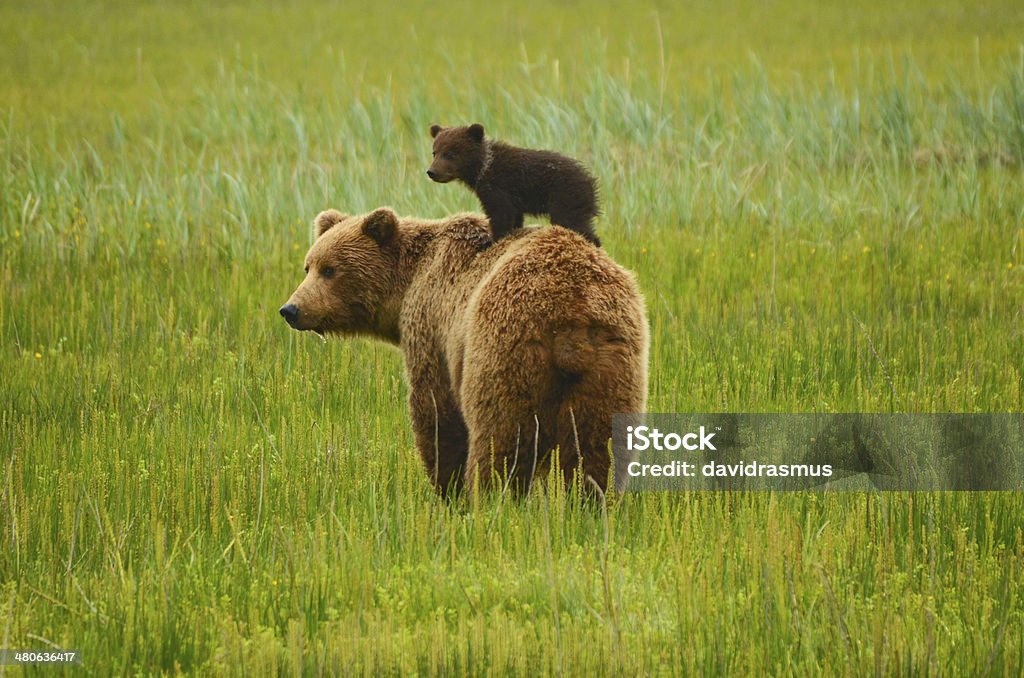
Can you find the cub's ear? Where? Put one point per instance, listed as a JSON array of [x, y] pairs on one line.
[[435, 130], [326, 220], [476, 132], [381, 225]]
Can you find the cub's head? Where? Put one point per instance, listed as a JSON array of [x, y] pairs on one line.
[[352, 277], [457, 151]]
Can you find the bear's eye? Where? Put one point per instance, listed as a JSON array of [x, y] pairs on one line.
[[447, 156], [306, 268], [327, 271]]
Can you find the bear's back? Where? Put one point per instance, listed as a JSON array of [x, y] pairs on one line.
[[533, 289], [541, 285]]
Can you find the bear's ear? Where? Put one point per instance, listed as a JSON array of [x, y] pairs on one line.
[[381, 225], [326, 220], [476, 132], [435, 130]]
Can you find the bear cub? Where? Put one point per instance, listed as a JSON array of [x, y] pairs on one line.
[[511, 182]]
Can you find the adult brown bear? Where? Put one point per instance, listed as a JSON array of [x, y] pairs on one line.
[[515, 352]]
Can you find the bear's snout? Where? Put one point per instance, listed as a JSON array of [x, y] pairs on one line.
[[290, 312], [440, 172]]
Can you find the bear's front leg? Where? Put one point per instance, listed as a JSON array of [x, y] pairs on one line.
[[502, 214], [441, 436]]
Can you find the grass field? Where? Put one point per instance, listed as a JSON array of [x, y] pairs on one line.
[[824, 207]]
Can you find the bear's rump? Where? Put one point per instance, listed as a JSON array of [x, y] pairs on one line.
[[572, 330]]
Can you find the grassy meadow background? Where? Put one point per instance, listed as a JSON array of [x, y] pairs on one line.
[[824, 205]]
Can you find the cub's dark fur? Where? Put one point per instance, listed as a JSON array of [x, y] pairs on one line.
[[512, 182]]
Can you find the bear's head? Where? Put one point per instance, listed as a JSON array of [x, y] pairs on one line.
[[352, 277], [458, 153]]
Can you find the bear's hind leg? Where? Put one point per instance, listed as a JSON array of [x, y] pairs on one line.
[[611, 383], [510, 424], [579, 220], [515, 453]]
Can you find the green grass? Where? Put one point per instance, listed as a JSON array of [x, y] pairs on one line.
[[824, 209]]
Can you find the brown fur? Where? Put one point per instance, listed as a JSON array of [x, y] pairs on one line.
[[512, 182], [530, 344]]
